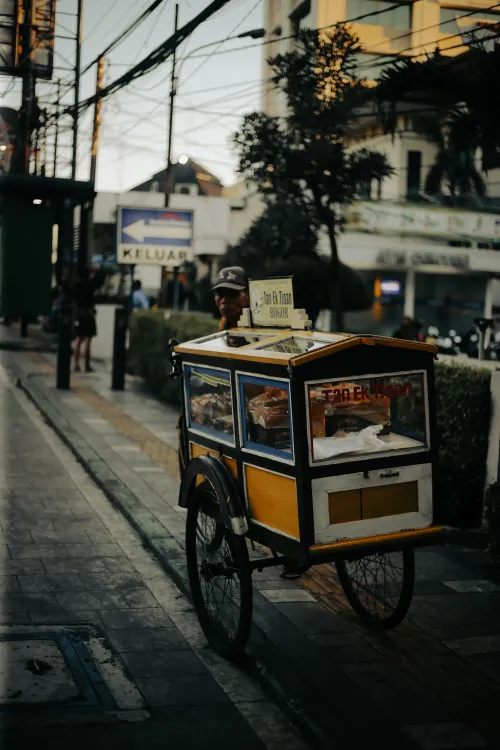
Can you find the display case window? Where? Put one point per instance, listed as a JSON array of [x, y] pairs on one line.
[[367, 415], [209, 402], [265, 416], [228, 340], [295, 345]]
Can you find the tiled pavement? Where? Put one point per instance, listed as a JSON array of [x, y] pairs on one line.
[[432, 683], [71, 564]]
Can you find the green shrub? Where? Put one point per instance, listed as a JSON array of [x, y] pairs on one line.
[[148, 352], [463, 417]]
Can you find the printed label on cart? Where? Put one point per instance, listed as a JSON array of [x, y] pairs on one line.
[[361, 393], [271, 302]]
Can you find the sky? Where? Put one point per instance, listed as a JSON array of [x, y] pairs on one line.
[[134, 121]]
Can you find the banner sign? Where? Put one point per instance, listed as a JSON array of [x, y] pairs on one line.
[[401, 258], [154, 236], [271, 302], [430, 222]]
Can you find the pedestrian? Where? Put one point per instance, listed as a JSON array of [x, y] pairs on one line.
[[140, 301], [408, 329], [231, 297], [85, 318]]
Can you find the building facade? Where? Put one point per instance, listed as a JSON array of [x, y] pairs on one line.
[[430, 261]]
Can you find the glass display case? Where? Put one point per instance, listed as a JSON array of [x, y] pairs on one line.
[[365, 415], [209, 401], [225, 340], [265, 415], [295, 345]]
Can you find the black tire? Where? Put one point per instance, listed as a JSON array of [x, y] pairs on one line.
[[224, 610], [379, 587]]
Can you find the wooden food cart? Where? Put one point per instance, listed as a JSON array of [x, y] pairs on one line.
[[319, 446]]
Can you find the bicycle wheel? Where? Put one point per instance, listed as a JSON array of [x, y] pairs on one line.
[[219, 575], [379, 587]]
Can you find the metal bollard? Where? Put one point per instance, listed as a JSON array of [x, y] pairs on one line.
[[119, 349], [64, 338]]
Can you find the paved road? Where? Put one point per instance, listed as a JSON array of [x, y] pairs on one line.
[[97, 646], [432, 683]]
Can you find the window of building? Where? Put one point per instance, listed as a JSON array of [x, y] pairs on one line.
[[451, 20], [413, 173], [185, 189], [368, 66], [389, 16]]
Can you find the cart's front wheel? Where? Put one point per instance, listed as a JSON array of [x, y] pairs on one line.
[[219, 575], [379, 587]]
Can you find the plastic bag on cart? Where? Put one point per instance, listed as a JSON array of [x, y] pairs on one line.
[[364, 440]]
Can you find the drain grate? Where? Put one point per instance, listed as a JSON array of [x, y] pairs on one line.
[[50, 670]]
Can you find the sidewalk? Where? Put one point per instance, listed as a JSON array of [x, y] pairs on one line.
[[98, 648], [432, 683]]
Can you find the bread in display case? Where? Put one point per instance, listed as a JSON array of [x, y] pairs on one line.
[[209, 400], [366, 415], [265, 410]]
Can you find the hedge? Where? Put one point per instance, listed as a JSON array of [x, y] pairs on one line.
[[150, 332], [463, 417], [463, 408]]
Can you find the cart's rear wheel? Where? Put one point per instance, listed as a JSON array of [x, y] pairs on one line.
[[379, 587], [219, 575]]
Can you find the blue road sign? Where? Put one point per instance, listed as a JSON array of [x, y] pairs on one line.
[[154, 236]]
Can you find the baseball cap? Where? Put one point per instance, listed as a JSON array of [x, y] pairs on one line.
[[232, 277]]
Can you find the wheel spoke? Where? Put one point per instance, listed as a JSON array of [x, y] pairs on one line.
[[221, 591], [377, 582]]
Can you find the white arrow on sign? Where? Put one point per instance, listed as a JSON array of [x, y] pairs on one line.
[[139, 230]]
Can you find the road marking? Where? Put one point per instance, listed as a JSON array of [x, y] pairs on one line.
[[281, 596], [472, 587]]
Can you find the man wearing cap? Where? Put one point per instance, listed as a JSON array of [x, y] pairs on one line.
[[231, 295]]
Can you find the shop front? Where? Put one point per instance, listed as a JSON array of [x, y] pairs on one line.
[[441, 286]]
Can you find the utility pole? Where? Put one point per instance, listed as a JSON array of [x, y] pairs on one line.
[[28, 86], [168, 171], [97, 119], [56, 135], [87, 208], [173, 86], [77, 87]]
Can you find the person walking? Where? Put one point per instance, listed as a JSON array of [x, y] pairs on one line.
[[85, 319], [140, 301]]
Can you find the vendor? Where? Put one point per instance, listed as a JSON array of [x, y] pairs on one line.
[[231, 297]]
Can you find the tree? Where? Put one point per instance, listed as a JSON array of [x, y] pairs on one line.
[[305, 158], [283, 241], [457, 112]]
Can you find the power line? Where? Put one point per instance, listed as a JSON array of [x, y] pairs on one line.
[[158, 56], [101, 19], [126, 33], [432, 26], [223, 40], [163, 52]]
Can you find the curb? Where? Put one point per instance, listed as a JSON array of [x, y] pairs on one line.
[[168, 552]]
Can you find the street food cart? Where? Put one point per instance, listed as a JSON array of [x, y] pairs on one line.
[[320, 447]]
